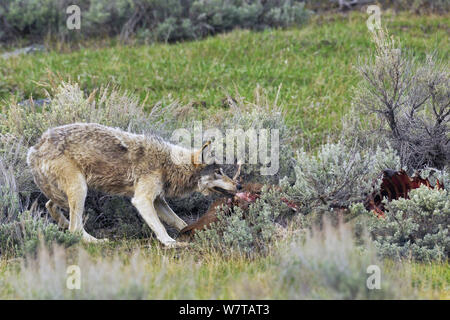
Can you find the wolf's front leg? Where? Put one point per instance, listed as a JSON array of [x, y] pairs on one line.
[[148, 213], [147, 189], [167, 215]]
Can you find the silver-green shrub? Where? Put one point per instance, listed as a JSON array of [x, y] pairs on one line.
[[434, 176], [337, 176], [21, 237], [286, 13], [10, 204], [413, 6], [254, 230], [16, 185], [328, 264], [416, 228], [244, 233], [266, 115]]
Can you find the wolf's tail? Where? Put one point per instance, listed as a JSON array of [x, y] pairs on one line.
[[31, 157]]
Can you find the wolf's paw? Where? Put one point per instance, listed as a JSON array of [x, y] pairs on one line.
[[181, 225], [182, 244], [90, 239], [176, 245]]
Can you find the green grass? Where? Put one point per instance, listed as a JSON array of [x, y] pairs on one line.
[[314, 65], [181, 274], [431, 280]]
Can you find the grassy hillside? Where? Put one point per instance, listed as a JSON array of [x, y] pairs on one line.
[[314, 65]]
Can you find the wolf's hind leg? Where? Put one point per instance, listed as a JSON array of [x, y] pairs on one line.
[[75, 187], [57, 214], [167, 215]]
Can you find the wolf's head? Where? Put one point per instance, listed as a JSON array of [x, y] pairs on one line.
[[213, 179]]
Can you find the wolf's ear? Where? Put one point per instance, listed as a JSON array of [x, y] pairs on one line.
[[197, 155]]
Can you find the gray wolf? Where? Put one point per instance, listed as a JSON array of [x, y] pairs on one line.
[[70, 159]]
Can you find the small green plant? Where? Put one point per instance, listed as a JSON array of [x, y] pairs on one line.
[[21, 237], [415, 228], [249, 233]]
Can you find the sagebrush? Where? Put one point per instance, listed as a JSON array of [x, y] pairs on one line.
[[410, 98], [337, 176], [251, 232], [21, 237], [149, 20], [329, 264], [416, 228]]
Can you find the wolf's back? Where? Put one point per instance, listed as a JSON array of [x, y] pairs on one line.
[[100, 152], [44, 148], [77, 140]]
